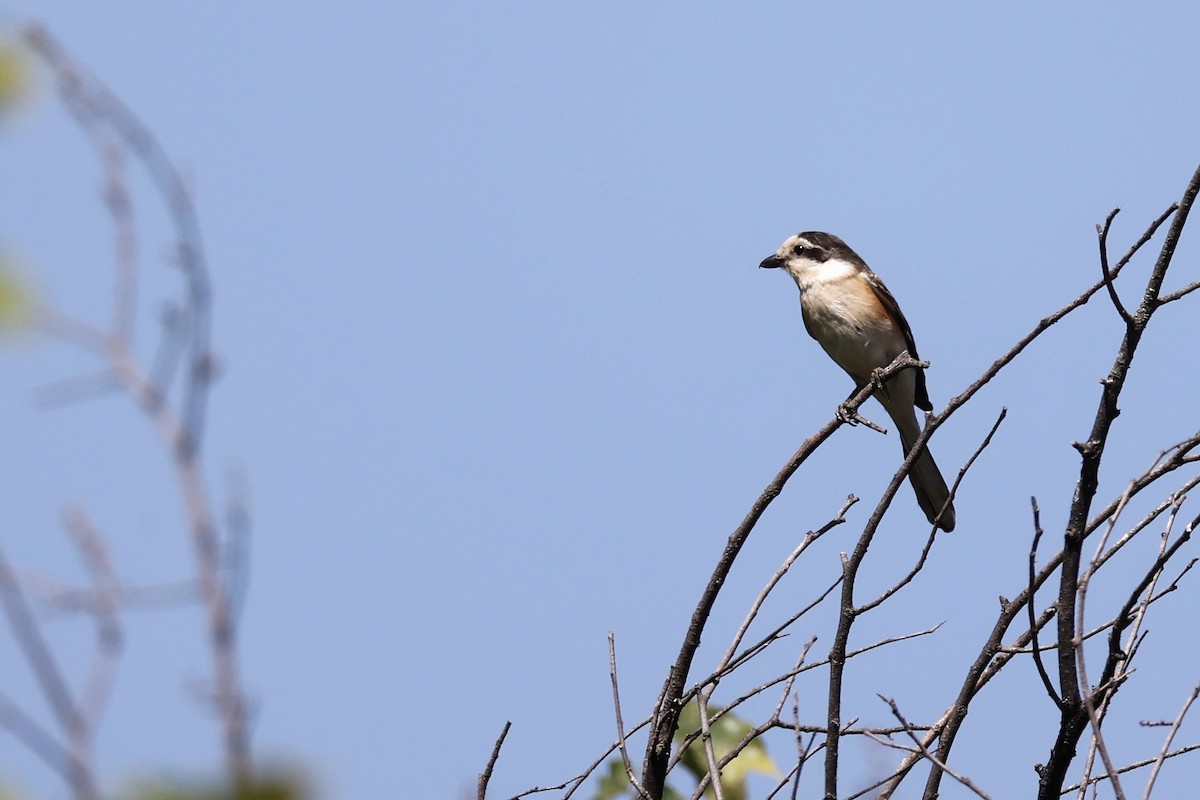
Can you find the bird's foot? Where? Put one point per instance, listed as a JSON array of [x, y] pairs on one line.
[[848, 413]]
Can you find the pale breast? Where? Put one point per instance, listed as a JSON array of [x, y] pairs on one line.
[[842, 312]]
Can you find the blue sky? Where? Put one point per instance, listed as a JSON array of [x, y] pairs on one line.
[[503, 375]]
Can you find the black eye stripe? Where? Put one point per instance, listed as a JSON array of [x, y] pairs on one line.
[[811, 251]]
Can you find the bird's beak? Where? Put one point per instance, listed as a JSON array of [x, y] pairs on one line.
[[771, 262]]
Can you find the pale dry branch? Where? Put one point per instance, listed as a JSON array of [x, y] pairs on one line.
[[775, 635], [713, 778], [804, 666], [963, 779], [612, 672], [94, 106], [774, 721], [101, 673], [114, 132], [68, 391], [1130, 767], [791, 681], [235, 550], [37, 739], [756, 606], [76, 332], [76, 766], [60, 599], [1171, 502], [1166, 747], [1095, 715]]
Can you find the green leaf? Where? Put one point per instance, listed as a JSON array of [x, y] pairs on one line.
[[727, 731], [615, 783]]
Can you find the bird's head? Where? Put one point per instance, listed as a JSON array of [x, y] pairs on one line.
[[806, 251]]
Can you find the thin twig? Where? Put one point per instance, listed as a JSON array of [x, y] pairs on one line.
[[612, 672], [1178, 295], [710, 756], [108, 632], [1166, 747], [1032, 590], [963, 779], [1102, 232], [763, 593], [1131, 767], [1095, 714], [77, 767], [30, 733]]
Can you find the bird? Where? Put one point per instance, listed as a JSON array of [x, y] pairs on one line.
[[856, 320]]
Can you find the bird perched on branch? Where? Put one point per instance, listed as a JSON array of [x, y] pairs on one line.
[[854, 317]]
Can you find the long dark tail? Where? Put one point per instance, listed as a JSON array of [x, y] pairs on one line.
[[926, 479]]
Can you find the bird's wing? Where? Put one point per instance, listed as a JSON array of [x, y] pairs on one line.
[[893, 309]]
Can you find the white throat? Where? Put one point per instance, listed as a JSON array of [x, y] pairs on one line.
[[809, 273]]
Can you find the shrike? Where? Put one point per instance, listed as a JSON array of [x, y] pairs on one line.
[[854, 317]]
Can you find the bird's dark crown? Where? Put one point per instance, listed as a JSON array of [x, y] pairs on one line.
[[821, 246]]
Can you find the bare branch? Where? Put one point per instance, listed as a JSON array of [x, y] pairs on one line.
[[1130, 767], [776, 634], [486, 775], [808, 539], [963, 779], [612, 672], [114, 129], [1166, 747], [1147, 235], [81, 334], [68, 391], [77, 770], [94, 105], [108, 632], [714, 770], [1179, 295], [39, 741], [1102, 231], [1033, 626]]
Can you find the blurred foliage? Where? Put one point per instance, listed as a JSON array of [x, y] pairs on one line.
[[279, 786], [16, 300], [15, 78], [273, 786], [727, 732], [614, 783]]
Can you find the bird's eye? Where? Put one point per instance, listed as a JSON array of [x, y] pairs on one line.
[[802, 249]]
